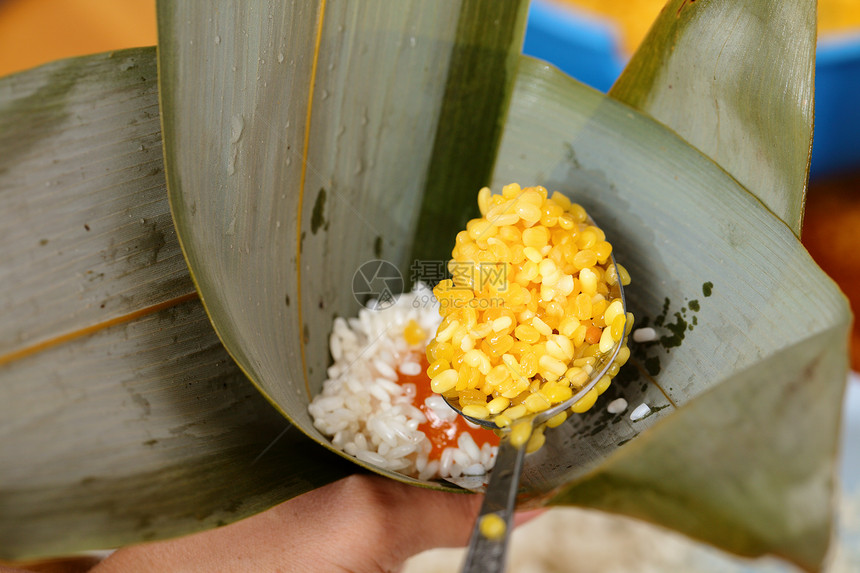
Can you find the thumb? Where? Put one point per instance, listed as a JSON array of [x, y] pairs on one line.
[[379, 522]]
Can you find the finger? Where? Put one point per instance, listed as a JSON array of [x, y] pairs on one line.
[[384, 522], [523, 517]]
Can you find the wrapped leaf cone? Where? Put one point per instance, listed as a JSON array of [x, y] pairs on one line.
[[302, 140]]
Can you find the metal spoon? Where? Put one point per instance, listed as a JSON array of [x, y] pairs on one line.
[[486, 554]]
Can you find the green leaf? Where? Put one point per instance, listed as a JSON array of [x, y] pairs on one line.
[[748, 373], [483, 66], [303, 140], [735, 79], [766, 486], [319, 125], [296, 104], [122, 417]]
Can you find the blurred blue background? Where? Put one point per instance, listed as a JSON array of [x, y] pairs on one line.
[[587, 47]]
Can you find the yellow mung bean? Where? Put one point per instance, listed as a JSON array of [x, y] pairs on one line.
[[607, 342], [598, 308], [577, 376], [554, 350], [444, 381], [498, 404], [536, 441], [588, 281], [568, 326], [498, 375], [502, 323], [481, 330], [517, 411], [616, 328], [623, 275], [527, 333], [520, 433], [484, 196], [556, 420], [551, 368], [445, 334], [614, 309], [623, 356], [603, 384], [586, 402], [536, 402], [602, 250], [436, 367], [492, 526], [413, 333], [476, 411], [529, 364], [559, 393], [518, 342], [582, 308], [541, 326], [561, 200]]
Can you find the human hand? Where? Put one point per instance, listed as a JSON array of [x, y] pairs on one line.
[[362, 523]]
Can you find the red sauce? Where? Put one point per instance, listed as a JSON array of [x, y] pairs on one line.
[[441, 433]]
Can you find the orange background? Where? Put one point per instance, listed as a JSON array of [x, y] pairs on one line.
[[33, 32]]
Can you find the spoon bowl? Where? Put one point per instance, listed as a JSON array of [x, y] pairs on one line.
[[488, 545], [599, 369], [604, 362]]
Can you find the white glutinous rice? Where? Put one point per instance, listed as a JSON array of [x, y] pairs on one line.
[[640, 412], [368, 414], [617, 406], [646, 334]]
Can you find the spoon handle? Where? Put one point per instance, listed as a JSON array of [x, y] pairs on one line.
[[487, 554]]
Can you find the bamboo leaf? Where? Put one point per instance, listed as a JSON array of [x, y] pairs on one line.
[[482, 69], [736, 80], [93, 241], [716, 272], [766, 486], [304, 140], [149, 432], [319, 124], [752, 334], [122, 417]]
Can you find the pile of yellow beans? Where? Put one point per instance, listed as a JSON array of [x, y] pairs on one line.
[[531, 308]]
